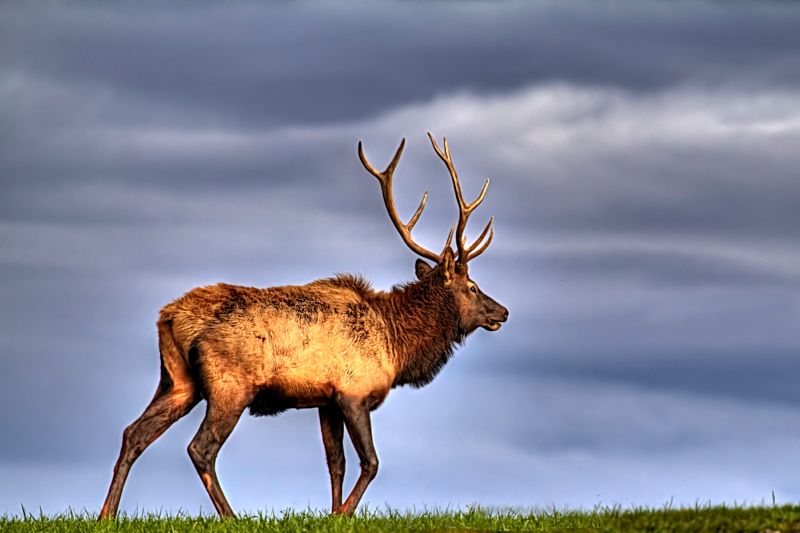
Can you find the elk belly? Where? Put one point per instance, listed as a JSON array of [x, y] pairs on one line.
[[279, 397]]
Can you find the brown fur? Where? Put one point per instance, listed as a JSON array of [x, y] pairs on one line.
[[278, 339], [424, 329]]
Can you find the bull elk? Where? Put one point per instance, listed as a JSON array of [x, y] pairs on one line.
[[334, 344]]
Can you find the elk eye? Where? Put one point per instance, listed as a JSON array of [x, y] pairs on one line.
[[474, 289]]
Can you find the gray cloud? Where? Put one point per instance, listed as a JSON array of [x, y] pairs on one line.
[[247, 64], [756, 377]]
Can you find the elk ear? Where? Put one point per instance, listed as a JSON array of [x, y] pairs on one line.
[[448, 265], [422, 268]]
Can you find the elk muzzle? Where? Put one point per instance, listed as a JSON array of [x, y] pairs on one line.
[[495, 317]]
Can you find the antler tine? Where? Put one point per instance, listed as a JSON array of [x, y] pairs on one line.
[[481, 236], [449, 239], [385, 179], [480, 197], [386, 174], [482, 248], [464, 209], [418, 212]]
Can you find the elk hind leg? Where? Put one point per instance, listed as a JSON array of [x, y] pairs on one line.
[[175, 396], [171, 402], [222, 414]]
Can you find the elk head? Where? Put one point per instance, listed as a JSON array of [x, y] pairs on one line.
[[474, 308]]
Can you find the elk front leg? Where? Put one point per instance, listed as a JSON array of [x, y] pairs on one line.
[[332, 425], [357, 420]]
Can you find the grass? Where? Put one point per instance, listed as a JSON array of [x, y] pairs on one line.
[[700, 519]]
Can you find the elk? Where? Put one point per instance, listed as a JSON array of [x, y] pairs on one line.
[[334, 344]]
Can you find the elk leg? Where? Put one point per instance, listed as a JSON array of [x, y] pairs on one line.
[[356, 419], [166, 407], [222, 414], [332, 425]]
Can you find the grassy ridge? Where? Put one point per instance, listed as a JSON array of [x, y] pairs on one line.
[[784, 519]]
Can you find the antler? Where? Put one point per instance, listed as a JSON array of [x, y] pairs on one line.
[[385, 178], [465, 253]]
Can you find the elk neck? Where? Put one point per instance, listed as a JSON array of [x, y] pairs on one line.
[[423, 328]]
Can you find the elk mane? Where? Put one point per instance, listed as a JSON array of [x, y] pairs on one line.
[[424, 328], [356, 283]]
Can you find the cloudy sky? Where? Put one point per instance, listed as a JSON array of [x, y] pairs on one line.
[[644, 160]]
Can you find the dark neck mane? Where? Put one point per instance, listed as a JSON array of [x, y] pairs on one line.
[[423, 329]]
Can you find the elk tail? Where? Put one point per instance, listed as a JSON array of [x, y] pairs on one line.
[[175, 371]]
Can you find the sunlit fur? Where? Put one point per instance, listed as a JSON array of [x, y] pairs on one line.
[[297, 345]]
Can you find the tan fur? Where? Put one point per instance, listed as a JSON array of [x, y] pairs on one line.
[[266, 346]]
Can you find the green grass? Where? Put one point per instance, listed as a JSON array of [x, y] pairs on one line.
[[701, 519]]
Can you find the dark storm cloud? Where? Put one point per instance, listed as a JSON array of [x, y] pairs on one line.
[[95, 91], [248, 64]]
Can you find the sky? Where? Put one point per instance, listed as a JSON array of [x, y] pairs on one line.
[[644, 161]]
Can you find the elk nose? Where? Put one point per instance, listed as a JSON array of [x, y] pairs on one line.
[[505, 314]]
